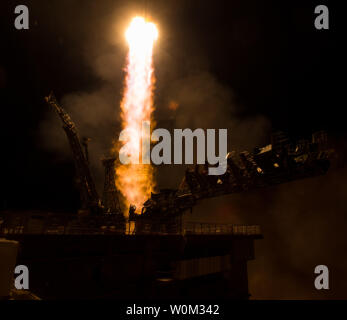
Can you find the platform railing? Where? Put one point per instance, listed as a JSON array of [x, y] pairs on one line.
[[214, 228], [185, 228]]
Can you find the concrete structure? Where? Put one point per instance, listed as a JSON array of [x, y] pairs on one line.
[[137, 266]]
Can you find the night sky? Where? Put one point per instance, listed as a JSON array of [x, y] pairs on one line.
[[266, 53]]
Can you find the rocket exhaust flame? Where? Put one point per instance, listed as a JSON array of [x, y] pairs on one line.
[[136, 181]]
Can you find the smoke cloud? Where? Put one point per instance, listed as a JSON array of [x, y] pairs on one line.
[[201, 100]]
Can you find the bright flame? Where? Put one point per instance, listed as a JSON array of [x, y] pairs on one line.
[[141, 34], [136, 181]]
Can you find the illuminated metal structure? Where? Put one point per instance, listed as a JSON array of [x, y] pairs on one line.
[[110, 199], [276, 163], [96, 215], [273, 164]]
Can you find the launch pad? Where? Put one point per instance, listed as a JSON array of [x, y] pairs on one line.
[[92, 255], [137, 266]]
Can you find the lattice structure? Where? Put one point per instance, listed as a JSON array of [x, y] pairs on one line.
[[110, 198]]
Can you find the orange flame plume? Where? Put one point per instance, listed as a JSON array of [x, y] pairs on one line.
[[136, 181]]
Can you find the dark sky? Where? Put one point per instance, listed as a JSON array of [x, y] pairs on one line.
[[266, 55]]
